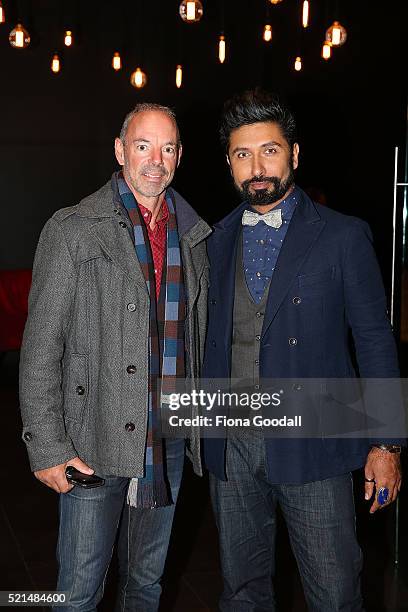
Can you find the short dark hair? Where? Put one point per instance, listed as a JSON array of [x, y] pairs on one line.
[[256, 106]]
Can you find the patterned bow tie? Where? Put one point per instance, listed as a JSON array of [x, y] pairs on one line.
[[273, 218]]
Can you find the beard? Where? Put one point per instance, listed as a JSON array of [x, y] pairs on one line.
[[263, 197]]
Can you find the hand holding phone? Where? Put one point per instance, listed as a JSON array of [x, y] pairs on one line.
[[86, 481]]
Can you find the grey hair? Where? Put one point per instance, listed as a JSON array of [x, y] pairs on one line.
[[148, 106]]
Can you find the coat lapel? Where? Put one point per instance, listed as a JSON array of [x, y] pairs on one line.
[[303, 231], [223, 256], [117, 244]]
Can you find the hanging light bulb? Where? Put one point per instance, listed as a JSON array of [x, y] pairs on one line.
[[221, 49], [191, 11], [55, 63], [116, 61], [305, 13], [68, 38], [298, 64], [19, 38], [267, 33], [138, 78], [275, 1], [326, 50], [179, 76], [336, 35], [2, 13]]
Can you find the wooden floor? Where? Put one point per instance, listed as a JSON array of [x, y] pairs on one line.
[[192, 582]]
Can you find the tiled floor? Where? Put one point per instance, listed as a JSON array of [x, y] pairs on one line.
[[28, 525]]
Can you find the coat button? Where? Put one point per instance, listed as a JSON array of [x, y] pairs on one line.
[[259, 314], [296, 300], [213, 343], [80, 390], [116, 211], [256, 361], [122, 224], [131, 307], [258, 337], [256, 387], [131, 369], [130, 427], [292, 341], [28, 436]]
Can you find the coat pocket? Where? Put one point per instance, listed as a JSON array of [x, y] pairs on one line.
[[317, 278], [75, 385]]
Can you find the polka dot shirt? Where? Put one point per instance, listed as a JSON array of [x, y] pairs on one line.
[[261, 246]]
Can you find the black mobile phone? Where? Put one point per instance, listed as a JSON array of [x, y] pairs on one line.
[[86, 481]]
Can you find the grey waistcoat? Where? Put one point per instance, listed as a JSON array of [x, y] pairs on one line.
[[247, 328]]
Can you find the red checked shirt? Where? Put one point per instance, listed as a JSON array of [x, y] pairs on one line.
[[157, 239]]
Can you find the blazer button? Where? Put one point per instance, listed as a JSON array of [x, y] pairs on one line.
[[213, 343], [80, 390], [130, 427], [296, 300], [28, 436], [131, 307], [122, 224], [293, 341], [131, 369]]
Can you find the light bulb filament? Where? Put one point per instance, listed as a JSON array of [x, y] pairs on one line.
[[179, 76], [336, 36], [267, 35], [19, 38], [305, 14], [326, 51], [116, 61], [221, 49], [68, 38], [191, 11]]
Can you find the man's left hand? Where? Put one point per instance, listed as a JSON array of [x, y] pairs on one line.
[[384, 468]]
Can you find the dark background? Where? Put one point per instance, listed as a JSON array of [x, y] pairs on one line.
[[57, 131], [56, 146]]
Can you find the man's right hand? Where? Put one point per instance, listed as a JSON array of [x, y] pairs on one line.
[[54, 477]]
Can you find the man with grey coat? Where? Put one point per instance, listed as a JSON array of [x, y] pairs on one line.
[[117, 306]]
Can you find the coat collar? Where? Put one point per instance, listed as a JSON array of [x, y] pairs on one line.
[[106, 203], [114, 231]]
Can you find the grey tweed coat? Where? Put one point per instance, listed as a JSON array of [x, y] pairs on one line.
[[88, 322]]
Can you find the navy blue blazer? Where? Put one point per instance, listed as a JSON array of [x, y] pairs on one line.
[[327, 259]]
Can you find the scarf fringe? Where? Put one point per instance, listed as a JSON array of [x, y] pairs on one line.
[[148, 495]]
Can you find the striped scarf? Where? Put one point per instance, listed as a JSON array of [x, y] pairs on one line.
[[166, 347]]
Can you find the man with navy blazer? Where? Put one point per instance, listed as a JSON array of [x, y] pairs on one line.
[[289, 279]]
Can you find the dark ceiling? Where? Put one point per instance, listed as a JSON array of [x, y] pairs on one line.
[[57, 131]]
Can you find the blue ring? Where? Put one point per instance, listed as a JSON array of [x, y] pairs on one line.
[[382, 495]]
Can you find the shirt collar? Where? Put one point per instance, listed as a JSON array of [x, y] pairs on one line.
[[147, 214]]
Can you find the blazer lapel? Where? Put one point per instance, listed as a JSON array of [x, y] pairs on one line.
[[223, 261], [303, 231]]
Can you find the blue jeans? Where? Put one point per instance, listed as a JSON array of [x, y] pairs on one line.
[[320, 518], [89, 521]]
